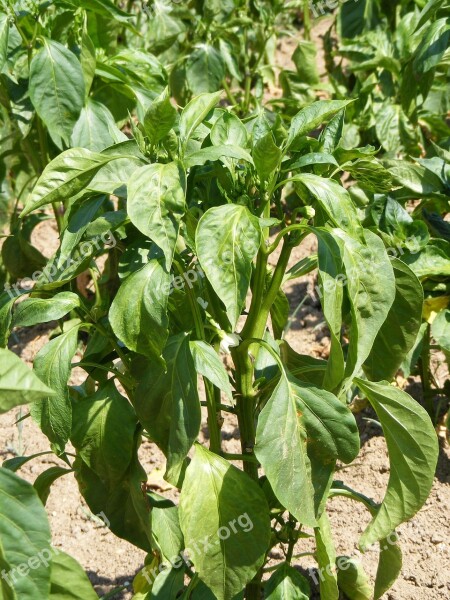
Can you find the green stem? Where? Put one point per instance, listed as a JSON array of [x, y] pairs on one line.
[[214, 419], [425, 373], [307, 19]]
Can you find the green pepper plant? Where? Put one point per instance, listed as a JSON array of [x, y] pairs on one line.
[[198, 203]]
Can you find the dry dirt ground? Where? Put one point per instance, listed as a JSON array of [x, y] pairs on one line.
[[111, 562]]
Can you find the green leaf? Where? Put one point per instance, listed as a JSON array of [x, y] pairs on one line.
[[371, 291], [332, 296], [53, 365], [18, 384], [413, 452], [326, 559], [156, 203], [387, 125], [281, 449], [167, 403], [352, 579], [314, 158], [205, 69], [167, 532], [229, 130], [305, 60], [398, 333], [213, 153], [316, 426], [144, 294], [286, 583], [88, 62], [68, 580], [440, 329], [195, 112], [34, 311], [225, 521], [335, 201], [227, 239], [208, 363], [45, 480], [103, 432], [104, 8], [389, 566], [415, 178], [66, 176], [24, 539], [168, 584], [432, 261], [15, 463], [4, 36], [267, 156], [159, 119], [310, 118], [57, 88], [434, 42], [96, 129], [120, 504]]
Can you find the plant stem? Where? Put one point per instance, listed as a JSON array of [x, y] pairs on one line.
[[307, 19], [425, 374], [214, 416]]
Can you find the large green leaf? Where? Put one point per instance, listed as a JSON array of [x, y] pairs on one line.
[[194, 113], [104, 8], [286, 583], [352, 579], [167, 532], [310, 118], [331, 290], [229, 130], [34, 311], [4, 36], [120, 504], [18, 384], [68, 580], [144, 295], [228, 238], [96, 129], [432, 47], [371, 290], [213, 153], [159, 119], [167, 403], [399, 332], [205, 69], [53, 365], [24, 540], [299, 424], [103, 432], [334, 200], [389, 566], [209, 364], [156, 203], [65, 177], [413, 452], [57, 88], [225, 521]]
